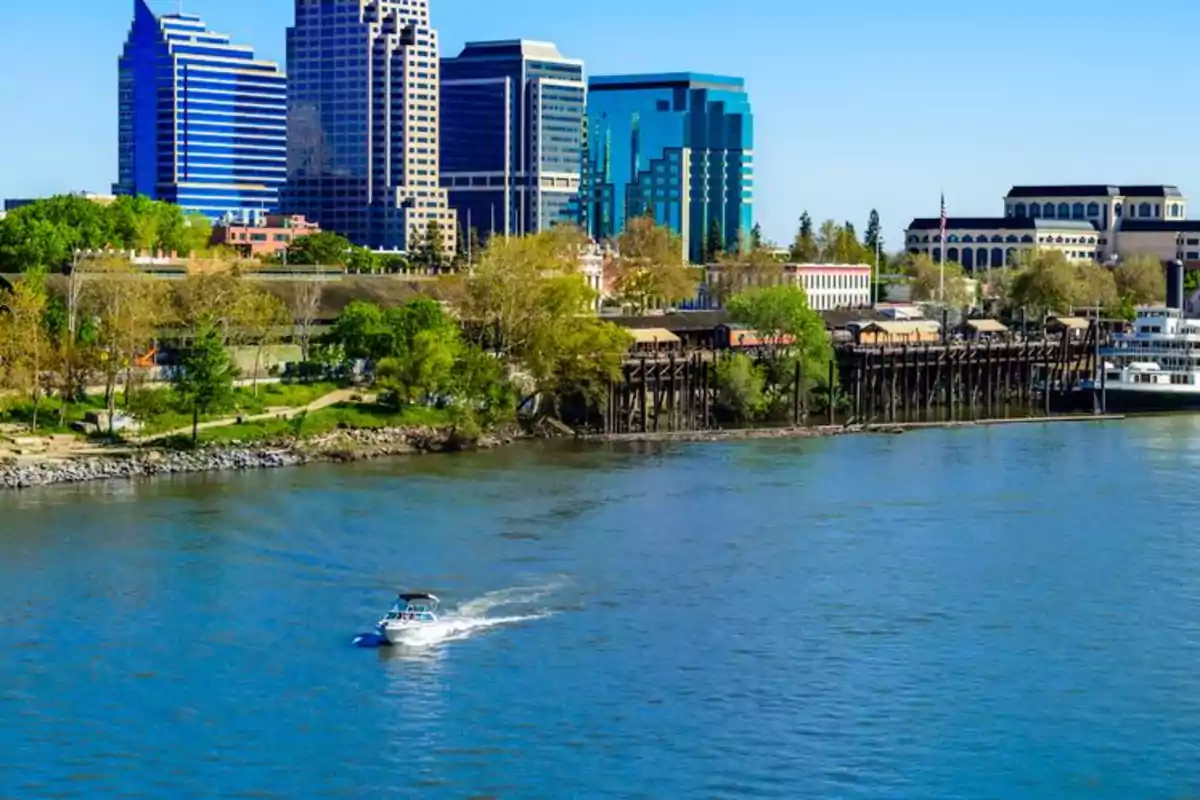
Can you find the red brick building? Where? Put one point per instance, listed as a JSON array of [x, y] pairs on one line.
[[270, 238]]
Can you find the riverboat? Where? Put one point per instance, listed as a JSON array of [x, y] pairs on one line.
[[1154, 366]]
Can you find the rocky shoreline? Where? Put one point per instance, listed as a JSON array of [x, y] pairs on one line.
[[338, 446]]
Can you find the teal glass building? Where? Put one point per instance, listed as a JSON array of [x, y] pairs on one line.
[[512, 136], [202, 122], [679, 147]]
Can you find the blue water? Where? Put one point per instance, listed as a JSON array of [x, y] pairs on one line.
[[1002, 613]]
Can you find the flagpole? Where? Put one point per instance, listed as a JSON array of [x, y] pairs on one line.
[[942, 260]]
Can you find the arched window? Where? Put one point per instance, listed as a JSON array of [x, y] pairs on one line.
[[1021, 211], [952, 237], [1011, 238], [968, 239], [981, 258], [952, 254], [1118, 209], [1027, 239], [1035, 211], [926, 239], [1048, 211], [937, 255], [937, 238], [997, 238], [1093, 209], [1009, 211], [1174, 209], [1144, 210], [913, 239], [1064, 211], [997, 257], [968, 259], [1077, 211], [1059, 240]]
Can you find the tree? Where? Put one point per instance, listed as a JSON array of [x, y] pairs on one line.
[[782, 317], [926, 281], [362, 261], [304, 305], [427, 248], [209, 299], [873, 238], [756, 237], [360, 332], [423, 369], [650, 266], [326, 249], [804, 247], [24, 343], [738, 272], [259, 315], [740, 387], [714, 241], [1141, 279], [204, 380], [126, 306], [1047, 282]]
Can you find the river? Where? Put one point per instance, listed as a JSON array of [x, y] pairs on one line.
[[1008, 612]]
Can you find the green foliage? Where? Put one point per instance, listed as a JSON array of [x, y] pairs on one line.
[[427, 248], [740, 394], [204, 380], [326, 249], [782, 317], [47, 233], [927, 279], [804, 248], [650, 267], [1047, 282], [1141, 279], [714, 241], [756, 237]]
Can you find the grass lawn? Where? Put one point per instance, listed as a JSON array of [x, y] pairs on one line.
[[158, 408], [344, 415]]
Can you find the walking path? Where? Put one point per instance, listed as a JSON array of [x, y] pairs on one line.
[[331, 399]]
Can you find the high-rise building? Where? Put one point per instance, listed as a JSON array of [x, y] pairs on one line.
[[512, 136], [679, 147], [202, 121], [363, 122]]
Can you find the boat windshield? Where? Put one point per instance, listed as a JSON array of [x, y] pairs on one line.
[[423, 610]]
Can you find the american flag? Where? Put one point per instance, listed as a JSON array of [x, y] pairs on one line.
[[943, 216]]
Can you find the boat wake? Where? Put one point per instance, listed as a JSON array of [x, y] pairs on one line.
[[475, 616]]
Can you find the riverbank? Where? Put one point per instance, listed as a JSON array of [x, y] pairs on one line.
[[338, 446], [365, 444]]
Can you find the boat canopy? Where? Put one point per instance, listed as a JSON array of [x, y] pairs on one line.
[[410, 597]]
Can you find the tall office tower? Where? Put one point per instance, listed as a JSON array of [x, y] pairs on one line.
[[679, 147], [202, 121], [512, 136], [363, 122]]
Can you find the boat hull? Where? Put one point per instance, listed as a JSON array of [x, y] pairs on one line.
[[1127, 401], [401, 632]]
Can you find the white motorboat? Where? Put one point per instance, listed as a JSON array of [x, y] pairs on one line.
[[411, 614]]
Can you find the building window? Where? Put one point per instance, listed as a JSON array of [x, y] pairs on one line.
[[1175, 210], [997, 257], [1144, 210], [1064, 211], [1077, 211], [1093, 209], [1048, 211], [1021, 211], [1035, 211], [1118, 209]]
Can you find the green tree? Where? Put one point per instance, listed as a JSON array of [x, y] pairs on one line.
[[204, 380], [1047, 281], [24, 340], [362, 261], [422, 370], [740, 389], [782, 317], [326, 249], [714, 241], [873, 238], [361, 333], [1142, 279], [926, 281], [260, 317], [735, 273], [427, 248], [756, 237], [650, 266], [805, 249]]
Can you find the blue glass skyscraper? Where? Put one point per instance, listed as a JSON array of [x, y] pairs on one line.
[[202, 121], [679, 147], [363, 122], [512, 136]]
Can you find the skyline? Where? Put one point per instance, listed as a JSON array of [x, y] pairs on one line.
[[896, 108]]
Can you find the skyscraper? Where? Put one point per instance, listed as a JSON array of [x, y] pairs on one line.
[[512, 136], [363, 122], [202, 121], [679, 147]]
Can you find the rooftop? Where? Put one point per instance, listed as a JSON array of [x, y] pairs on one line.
[[517, 48], [1093, 190], [1001, 224], [1160, 226], [666, 80]]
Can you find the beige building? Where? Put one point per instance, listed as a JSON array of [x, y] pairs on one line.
[[828, 286], [980, 243]]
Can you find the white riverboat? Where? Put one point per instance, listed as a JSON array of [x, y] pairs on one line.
[[1153, 367]]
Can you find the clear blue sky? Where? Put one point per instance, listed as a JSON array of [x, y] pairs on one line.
[[858, 104]]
